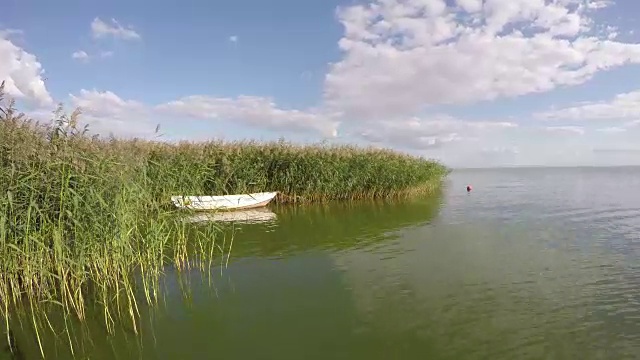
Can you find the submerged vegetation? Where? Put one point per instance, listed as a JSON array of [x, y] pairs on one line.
[[86, 220]]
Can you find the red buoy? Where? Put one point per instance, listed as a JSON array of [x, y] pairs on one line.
[[468, 188]]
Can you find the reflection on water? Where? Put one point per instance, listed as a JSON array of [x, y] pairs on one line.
[[533, 264], [249, 216], [331, 227]]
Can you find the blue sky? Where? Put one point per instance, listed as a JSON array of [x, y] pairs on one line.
[[469, 82]]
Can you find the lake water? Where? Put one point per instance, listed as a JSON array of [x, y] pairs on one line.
[[532, 264]]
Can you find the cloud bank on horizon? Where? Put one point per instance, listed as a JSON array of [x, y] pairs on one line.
[[443, 79]]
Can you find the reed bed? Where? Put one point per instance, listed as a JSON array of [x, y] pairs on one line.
[[84, 219], [299, 173]]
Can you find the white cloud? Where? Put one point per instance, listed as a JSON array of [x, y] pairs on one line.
[[252, 110], [106, 113], [622, 107], [470, 6], [420, 134], [22, 72], [233, 38], [401, 57], [618, 150], [6, 33], [612, 130], [501, 150], [566, 129], [101, 29], [631, 124], [80, 55], [409, 141], [599, 4], [107, 104]]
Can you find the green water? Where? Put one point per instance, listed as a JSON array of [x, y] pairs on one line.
[[532, 264]]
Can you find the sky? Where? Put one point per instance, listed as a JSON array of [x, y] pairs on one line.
[[472, 83]]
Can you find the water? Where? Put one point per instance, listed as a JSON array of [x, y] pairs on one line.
[[532, 264]]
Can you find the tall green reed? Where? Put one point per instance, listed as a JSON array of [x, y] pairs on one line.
[[299, 173], [78, 223]]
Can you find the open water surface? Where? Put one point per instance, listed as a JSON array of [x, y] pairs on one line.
[[532, 264]]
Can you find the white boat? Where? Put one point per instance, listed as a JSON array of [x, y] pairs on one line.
[[250, 216], [224, 202]]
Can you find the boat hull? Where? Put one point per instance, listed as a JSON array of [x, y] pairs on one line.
[[224, 202]]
